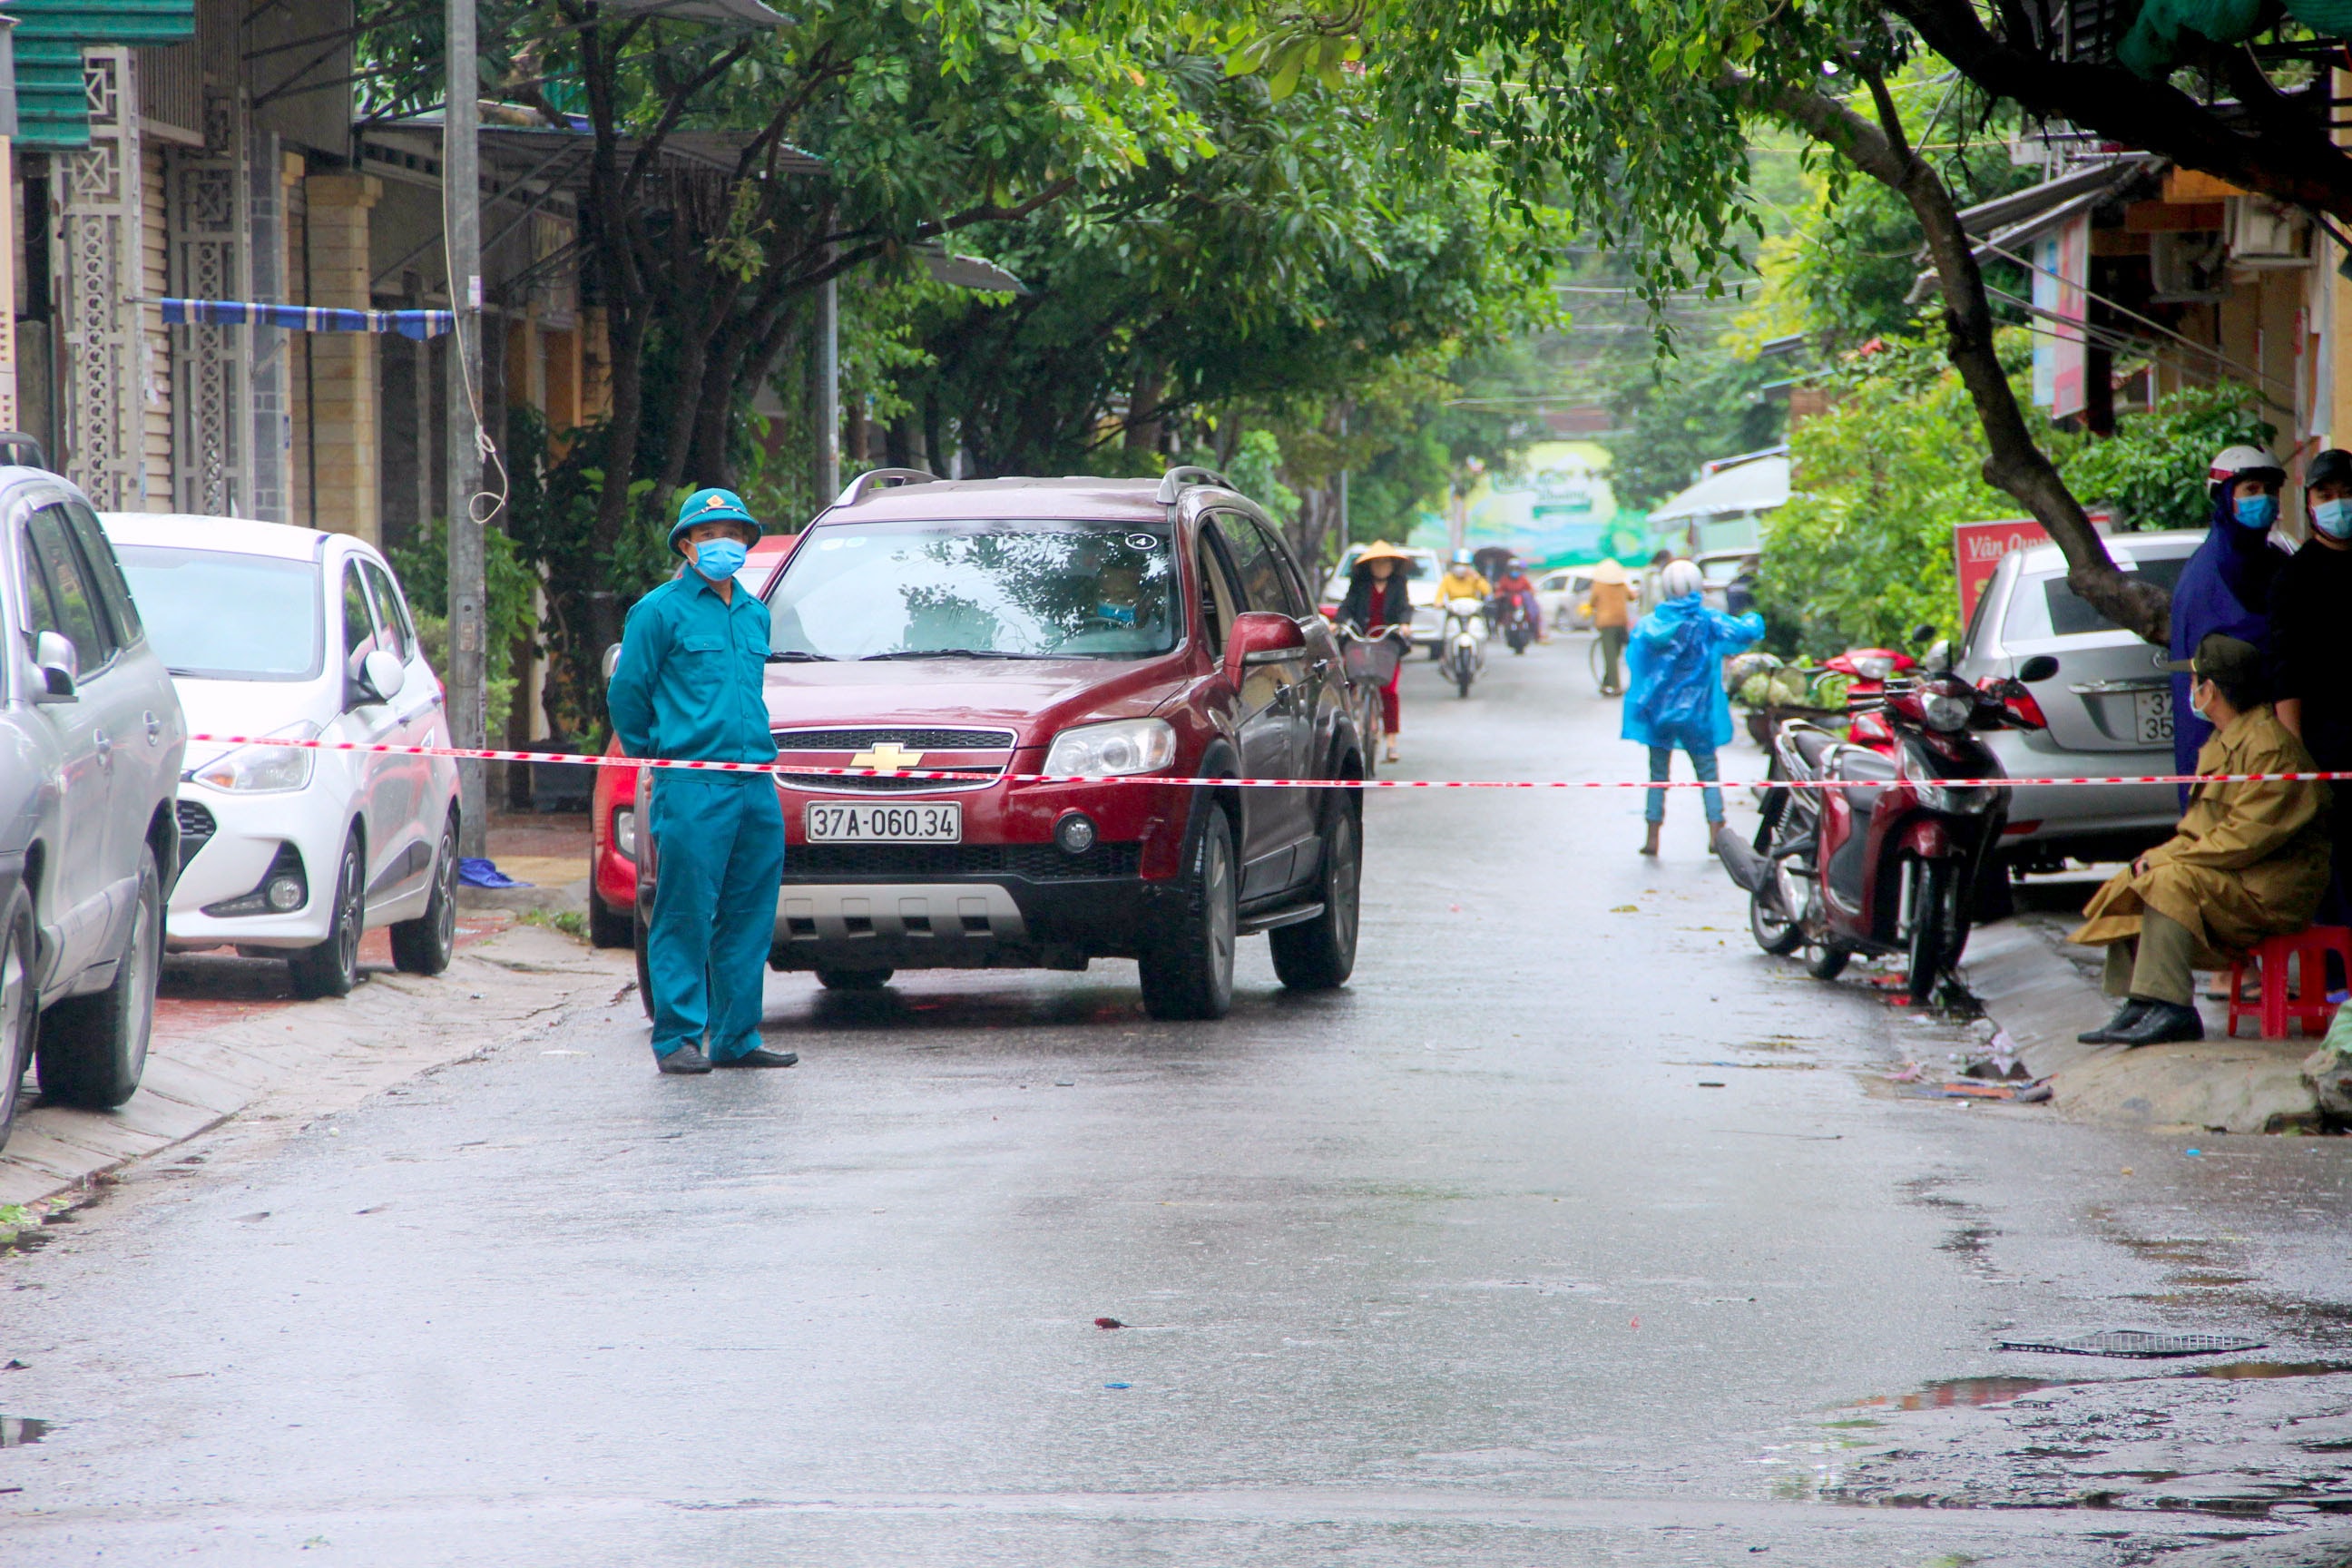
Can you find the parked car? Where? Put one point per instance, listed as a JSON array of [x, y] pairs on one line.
[[612, 809], [1560, 595], [290, 633], [2096, 687], [90, 743], [1421, 589], [1083, 627]]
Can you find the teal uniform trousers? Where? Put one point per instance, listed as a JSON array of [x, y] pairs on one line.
[[720, 839]]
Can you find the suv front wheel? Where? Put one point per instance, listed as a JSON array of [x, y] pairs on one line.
[[1320, 954], [1188, 969]]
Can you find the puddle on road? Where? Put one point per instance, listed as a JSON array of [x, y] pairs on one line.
[[1953, 1392], [21, 1431]]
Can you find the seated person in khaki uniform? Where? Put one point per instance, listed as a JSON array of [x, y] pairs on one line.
[[2248, 861]]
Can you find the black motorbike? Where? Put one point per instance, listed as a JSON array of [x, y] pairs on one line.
[[1872, 851]]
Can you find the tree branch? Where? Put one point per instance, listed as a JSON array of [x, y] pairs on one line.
[[2014, 463]]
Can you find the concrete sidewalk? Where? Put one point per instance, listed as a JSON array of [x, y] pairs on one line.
[[282, 1064], [2043, 992]]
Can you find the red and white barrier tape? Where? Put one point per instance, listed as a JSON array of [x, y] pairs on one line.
[[971, 775]]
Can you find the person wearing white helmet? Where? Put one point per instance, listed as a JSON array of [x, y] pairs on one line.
[[2225, 587]]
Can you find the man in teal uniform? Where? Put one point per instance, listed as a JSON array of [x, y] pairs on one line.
[[687, 687]]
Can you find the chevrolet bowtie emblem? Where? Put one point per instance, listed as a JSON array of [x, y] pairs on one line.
[[886, 757]]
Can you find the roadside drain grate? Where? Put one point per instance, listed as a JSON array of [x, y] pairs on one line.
[[2135, 1342]]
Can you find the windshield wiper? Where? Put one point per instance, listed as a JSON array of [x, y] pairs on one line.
[[951, 653], [798, 655]]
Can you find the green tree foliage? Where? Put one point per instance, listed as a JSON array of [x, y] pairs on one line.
[[2153, 472], [1687, 417], [1863, 552]]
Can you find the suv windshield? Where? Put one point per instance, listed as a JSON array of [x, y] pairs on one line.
[[214, 615], [991, 588]]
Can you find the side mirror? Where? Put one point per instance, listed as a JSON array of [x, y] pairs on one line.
[[2041, 666], [611, 662], [60, 667], [1262, 637], [380, 677], [1922, 634]]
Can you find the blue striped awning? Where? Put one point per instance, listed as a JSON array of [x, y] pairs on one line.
[[417, 324]]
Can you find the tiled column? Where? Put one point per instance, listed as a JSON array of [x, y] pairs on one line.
[[342, 397]]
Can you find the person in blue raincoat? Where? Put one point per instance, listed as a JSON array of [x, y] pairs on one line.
[[2225, 587], [688, 686], [1676, 699]]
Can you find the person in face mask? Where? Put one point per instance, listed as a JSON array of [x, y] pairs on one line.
[[694, 654], [2311, 646], [2225, 587]]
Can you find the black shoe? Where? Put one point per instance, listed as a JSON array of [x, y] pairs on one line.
[[2108, 1033], [685, 1059], [2161, 1025], [759, 1057]]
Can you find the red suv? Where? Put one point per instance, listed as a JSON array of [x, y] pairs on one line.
[[1080, 626]]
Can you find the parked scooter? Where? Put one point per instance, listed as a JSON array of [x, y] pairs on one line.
[[1463, 638], [1885, 862], [1872, 669]]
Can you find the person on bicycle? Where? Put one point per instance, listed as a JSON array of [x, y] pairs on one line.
[[1377, 603], [1611, 604], [1513, 585]]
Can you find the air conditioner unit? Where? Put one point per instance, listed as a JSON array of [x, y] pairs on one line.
[[2185, 266], [2264, 235]]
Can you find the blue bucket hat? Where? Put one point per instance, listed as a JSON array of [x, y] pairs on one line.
[[711, 506]]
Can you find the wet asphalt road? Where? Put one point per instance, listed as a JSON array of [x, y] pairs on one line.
[[1466, 1264]]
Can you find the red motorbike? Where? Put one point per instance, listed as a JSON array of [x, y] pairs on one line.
[[1871, 669], [1885, 858]]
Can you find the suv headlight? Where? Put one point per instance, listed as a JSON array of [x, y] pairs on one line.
[[263, 770], [1106, 751]]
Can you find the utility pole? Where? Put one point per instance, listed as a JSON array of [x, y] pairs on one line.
[[824, 394], [1345, 537], [461, 217]]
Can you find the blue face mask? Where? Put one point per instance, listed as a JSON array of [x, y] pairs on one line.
[[2255, 511], [2333, 518], [718, 559]]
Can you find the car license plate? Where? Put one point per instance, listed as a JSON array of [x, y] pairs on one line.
[[844, 823], [2152, 716]]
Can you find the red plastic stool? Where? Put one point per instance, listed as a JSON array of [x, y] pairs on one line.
[[2309, 1005]]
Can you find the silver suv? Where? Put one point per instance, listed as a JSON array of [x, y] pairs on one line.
[[2108, 705], [91, 738]]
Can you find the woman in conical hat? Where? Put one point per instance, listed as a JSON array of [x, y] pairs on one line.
[[1377, 603]]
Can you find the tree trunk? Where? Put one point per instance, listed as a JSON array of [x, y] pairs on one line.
[[2015, 464], [1143, 422]]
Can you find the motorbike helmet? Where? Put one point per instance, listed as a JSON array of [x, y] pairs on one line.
[[2333, 467], [2242, 462], [1463, 558]]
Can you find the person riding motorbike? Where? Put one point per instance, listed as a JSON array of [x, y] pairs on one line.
[[1378, 602], [1463, 580], [1513, 584]]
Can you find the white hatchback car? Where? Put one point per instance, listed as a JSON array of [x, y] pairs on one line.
[[272, 630]]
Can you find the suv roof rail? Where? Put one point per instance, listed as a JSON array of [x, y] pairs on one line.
[[872, 477], [1172, 482], [23, 450]]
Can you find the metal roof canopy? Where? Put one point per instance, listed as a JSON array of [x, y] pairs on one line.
[[1752, 487]]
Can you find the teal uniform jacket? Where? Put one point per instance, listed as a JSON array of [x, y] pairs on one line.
[[688, 683], [689, 687]]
